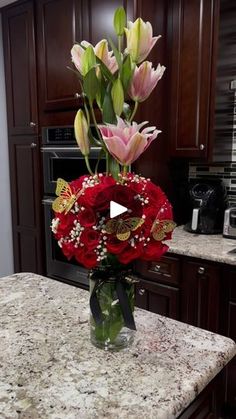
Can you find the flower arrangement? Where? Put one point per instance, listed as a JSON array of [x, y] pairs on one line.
[[114, 82]]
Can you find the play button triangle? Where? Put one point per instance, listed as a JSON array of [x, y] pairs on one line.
[[116, 209]]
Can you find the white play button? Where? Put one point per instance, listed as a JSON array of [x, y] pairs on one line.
[[116, 209]]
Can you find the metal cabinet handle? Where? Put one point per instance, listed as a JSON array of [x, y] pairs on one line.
[[202, 147], [141, 291], [78, 96], [201, 270], [33, 145], [32, 124], [157, 268]]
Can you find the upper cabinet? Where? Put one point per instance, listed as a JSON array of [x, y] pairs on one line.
[[193, 27], [20, 69], [98, 18], [58, 28]]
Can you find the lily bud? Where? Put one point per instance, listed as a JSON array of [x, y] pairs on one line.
[[119, 21], [117, 94], [139, 39], [81, 132]]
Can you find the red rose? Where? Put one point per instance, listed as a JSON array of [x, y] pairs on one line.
[[66, 223], [115, 246], [154, 250], [129, 254], [68, 249], [90, 238], [86, 257], [87, 218]]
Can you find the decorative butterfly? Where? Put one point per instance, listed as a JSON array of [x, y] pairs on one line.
[[123, 228], [161, 227], [65, 198]]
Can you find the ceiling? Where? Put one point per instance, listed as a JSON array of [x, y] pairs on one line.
[[5, 2]]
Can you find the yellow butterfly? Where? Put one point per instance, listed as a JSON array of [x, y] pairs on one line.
[[65, 198], [161, 227], [123, 228]]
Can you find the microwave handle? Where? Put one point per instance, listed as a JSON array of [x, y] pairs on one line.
[[195, 216]]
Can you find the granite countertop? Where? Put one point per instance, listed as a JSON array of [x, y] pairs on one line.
[[49, 368], [209, 247]]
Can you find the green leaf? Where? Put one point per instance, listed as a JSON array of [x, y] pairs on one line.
[[117, 54], [91, 85], [117, 95], [101, 94], [127, 71], [107, 108], [88, 60], [105, 71], [119, 21]]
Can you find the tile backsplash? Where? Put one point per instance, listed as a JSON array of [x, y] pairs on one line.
[[225, 171]]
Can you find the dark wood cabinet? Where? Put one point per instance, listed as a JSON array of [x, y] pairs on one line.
[[24, 153], [26, 204], [158, 298], [228, 328], [59, 26], [20, 69], [200, 286], [193, 28], [98, 18]]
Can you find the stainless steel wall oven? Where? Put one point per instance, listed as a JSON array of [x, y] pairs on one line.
[[62, 158]]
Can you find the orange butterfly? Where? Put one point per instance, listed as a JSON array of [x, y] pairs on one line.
[[65, 198], [161, 227]]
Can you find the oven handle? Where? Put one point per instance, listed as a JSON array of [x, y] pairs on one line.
[[48, 201], [46, 149]]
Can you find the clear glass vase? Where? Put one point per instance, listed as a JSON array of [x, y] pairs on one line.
[[111, 333]]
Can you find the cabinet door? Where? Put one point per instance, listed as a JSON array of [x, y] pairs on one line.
[[98, 18], [193, 26], [158, 298], [58, 28], [26, 204], [20, 69], [200, 295]]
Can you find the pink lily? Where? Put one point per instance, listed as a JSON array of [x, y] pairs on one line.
[[139, 39], [125, 142], [100, 50], [144, 80]]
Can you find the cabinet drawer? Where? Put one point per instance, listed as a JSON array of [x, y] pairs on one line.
[[165, 270]]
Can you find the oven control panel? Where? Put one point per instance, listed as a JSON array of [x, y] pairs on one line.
[[58, 135]]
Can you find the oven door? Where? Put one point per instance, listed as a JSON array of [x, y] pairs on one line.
[[66, 163], [57, 265]]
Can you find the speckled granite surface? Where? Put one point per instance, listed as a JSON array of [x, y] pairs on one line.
[[210, 247], [49, 369]]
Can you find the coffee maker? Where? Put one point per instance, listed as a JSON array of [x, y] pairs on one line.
[[209, 200]]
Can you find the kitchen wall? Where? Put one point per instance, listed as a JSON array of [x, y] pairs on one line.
[[6, 252]]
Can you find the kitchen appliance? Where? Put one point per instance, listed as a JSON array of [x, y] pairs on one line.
[[209, 201], [62, 157], [229, 230]]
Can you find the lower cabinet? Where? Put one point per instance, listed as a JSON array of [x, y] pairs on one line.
[[197, 292], [200, 285], [26, 197], [158, 298]]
